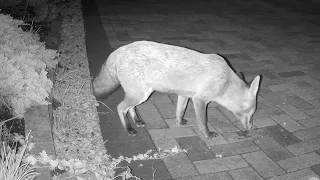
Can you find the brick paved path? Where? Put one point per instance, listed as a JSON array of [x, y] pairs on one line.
[[257, 38]]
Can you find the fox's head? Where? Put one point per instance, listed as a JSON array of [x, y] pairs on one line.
[[242, 101], [248, 103]]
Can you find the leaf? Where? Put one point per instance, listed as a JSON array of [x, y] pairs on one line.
[[30, 146], [149, 151], [31, 159], [55, 177], [46, 159], [80, 178], [218, 155], [175, 149], [98, 176]]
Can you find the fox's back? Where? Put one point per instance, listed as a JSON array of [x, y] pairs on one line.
[[166, 67]]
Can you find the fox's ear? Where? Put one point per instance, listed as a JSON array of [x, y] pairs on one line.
[[255, 85]]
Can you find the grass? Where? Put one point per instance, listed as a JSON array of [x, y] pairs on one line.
[[12, 166]]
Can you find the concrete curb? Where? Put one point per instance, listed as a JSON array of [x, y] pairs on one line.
[[39, 120]]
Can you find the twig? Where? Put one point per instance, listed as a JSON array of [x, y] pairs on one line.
[[103, 113], [16, 117], [154, 171], [82, 84], [106, 106]]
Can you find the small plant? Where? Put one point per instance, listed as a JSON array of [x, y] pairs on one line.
[[12, 166]]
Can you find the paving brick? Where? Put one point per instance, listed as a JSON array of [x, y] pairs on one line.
[[313, 81], [267, 112], [263, 164], [298, 102], [313, 112], [293, 112], [122, 35], [233, 137], [196, 148], [281, 135], [171, 132], [267, 73], [291, 74], [287, 122], [150, 114], [204, 48], [122, 135], [263, 122], [216, 47], [311, 122], [296, 69], [307, 134], [165, 143], [300, 162], [304, 146], [288, 80], [232, 149], [220, 164], [274, 98], [231, 117], [186, 43], [264, 104], [167, 110], [246, 173], [180, 166], [173, 122], [284, 93], [158, 98], [278, 87], [302, 85], [221, 123], [120, 148], [144, 169], [219, 175], [209, 142], [303, 94], [315, 103], [304, 174], [272, 148], [263, 89], [316, 168], [316, 94]]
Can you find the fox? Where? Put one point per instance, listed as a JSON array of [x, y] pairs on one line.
[[143, 67]]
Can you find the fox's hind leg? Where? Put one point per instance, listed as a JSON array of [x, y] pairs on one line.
[[129, 102], [123, 108], [181, 109], [139, 122], [200, 107]]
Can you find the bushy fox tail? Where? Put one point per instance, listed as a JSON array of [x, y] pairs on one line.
[[105, 83]]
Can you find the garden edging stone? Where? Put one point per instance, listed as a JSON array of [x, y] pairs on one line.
[[39, 119]]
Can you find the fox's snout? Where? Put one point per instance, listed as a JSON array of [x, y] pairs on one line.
[[246, 121]]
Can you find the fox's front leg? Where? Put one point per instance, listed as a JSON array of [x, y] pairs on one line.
[[181, 109], [200, 107]]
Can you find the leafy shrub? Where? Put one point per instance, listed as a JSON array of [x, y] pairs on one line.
[[23, 64]]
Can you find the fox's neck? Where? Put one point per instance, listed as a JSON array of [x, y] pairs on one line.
[[236, 87]]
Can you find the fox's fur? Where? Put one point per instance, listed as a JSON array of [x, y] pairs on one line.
[[143, 67]]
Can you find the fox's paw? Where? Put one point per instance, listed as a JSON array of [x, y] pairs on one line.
[[140, 123], [182, 122], [212, 135], [132, 132]]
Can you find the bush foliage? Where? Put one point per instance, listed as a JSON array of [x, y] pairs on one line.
[[23, 64]]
